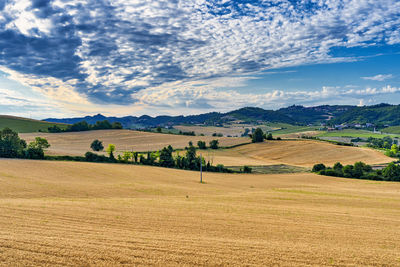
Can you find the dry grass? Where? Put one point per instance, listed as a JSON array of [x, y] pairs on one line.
[[69, 213], [77, 143], [303, 153]]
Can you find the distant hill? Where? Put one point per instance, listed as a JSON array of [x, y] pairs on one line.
[[23, 125], [383, 114], [295, 115]]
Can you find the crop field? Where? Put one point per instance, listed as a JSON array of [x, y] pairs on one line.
[[302, 153], [392, 130], [23, 125], [70, 213], [356, 133], [78, 143]]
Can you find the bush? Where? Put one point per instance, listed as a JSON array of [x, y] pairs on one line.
[[318, 167], [214, 144], [92, 157], [246, 169], [269, 137], [97, 145], [202, 144]]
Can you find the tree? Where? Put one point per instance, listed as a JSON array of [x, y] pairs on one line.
[[246, 169], [269, 136], [11, 146], [214, 144], [394, 149], [159, 129], [391, 172], [166, 159], [191, 161], [116, 125], [318, 167], [110, 150], [258, 136], [202, 144], [97, 145], [36, 148]]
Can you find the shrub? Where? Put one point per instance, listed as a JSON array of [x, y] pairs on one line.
[[269, 137], [97, 145], [214, 144], [202, 144], [318, 167], [247, 169]]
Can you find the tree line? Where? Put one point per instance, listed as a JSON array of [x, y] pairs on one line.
[[163, 158], [12, 146], [360, 170], [84, 126]]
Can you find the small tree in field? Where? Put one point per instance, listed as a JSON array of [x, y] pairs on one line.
[[257, 136], [97, 145], [214, 144], [201, 144], [110, 150]]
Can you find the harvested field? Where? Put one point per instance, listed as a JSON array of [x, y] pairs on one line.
[[69, 213], [78, 143], [303, 153]]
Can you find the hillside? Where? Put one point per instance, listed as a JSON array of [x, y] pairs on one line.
[[292, 115], [24, 125], [295, 115], [78, 143], [301, 153], [86, 214], [383, 114]]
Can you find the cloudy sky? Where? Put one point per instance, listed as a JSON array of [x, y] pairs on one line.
[[131, 57]]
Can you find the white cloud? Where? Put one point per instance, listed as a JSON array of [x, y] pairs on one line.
[[379, 77]]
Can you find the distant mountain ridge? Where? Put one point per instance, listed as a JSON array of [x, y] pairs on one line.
[[296, 114]]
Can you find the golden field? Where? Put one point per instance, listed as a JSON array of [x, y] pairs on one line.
[[70, 213], [78, 143], [302, 153]]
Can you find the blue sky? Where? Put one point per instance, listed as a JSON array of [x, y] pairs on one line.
[[129, 57]]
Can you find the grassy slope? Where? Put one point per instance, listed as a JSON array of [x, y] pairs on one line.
[[69, 213], [23, 125], [392, 130], [354, 133]]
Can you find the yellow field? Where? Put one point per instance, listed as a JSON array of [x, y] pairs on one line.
[[78, 143], [69, 213], [303, 153]]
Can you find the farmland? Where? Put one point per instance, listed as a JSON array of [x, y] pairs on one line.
[[302, 153], [69, 213], [77, 143]]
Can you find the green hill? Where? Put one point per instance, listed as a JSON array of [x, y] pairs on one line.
[[23, 125]]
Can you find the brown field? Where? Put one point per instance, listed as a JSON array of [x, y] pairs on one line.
[[303, 153], [69, 213], [78, 143]]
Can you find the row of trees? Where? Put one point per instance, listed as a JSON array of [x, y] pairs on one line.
[[163, 158], [84, 126], [360, 170], [11, 146]]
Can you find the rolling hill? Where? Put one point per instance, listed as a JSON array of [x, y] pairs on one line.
[[24, 125]]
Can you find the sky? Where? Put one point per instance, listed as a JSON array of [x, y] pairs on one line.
[[133, 57]]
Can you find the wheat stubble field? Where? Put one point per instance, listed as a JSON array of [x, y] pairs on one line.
[[78, 143], [302, 153], [70, 213]]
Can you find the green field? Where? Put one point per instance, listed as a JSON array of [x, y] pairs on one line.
[[392, 130], [288, 128], [355, 133], [23, 125]]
